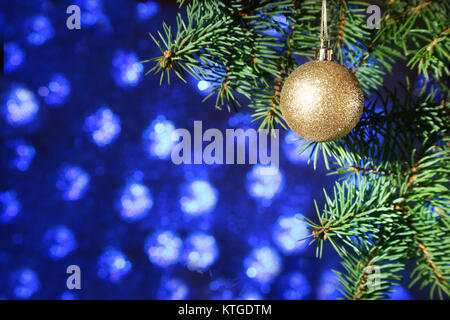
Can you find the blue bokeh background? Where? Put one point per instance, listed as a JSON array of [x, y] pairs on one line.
[[86, 176]]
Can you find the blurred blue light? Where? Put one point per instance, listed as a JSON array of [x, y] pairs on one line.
[[57, 90], [9, 206], [113, 265], [202, 85], [68, 295], [241, 120], [157, 138], [287, 233], [428, 86], [198, 198], [163, 248], [205, 84], [135, 202], [261, 185], [251, 295], [72, 182], [172, 289], [104, 126], [25, 283], [399, 293], [292, 143], [263, 264], [127, 70], [21, 106], [326, 290], [60, 241], [282, 24], [39, 30], [354, 53], [14, 56], [91, 12], [295, 286], [22, 154], [200, 251], [147, 9], [221, 289]]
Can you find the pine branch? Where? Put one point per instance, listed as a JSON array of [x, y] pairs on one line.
[[421, 30], [382, 192], [267, 101], [391, 203], [358, 222], [372, 273], [429, 176]]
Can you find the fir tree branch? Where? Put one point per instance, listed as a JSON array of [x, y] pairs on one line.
[[432, 257], [391, 203], [390, 195]]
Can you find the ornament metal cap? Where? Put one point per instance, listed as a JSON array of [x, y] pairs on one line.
[[324, 53]]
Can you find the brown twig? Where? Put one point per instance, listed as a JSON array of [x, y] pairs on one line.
[[365, 170], [401, 207], [342, 24], [361, 283], [434, 42]]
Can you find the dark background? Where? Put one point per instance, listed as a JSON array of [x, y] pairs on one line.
[[52, 216]]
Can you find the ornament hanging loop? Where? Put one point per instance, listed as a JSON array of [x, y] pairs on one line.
[[324, 52]]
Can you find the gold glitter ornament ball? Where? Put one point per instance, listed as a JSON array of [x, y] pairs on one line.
[[322, 101]]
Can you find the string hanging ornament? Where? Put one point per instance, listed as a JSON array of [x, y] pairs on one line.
[[322, 100]]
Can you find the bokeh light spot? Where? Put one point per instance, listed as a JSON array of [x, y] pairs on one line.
[[157, 138], [287, 233], [104, 126], [72, 182], [263, 264], [291, 146], [173, 289], [39, 30], [59, 241], [25, 283], [295, 286], [127, 70], [146, 10], [113, 265], [9, 206], [200, 251], [163, 248], [57, 90], [264, 186], [135, 202], [198, 198], [21, 106], [14, 56]]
